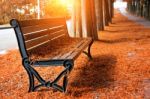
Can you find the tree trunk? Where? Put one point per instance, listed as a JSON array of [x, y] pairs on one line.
[[99, 14], [110, 10], [90, 14], [149, 10], [78, 22], [106, 12], [74, 19], [138, 7]]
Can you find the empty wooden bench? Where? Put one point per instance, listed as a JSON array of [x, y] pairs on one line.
[[46, 42]]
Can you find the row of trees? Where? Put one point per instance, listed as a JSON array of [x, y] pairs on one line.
[[28, 9], [20, 9], [90, 16], [140, 8]]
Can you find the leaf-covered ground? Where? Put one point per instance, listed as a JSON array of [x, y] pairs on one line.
[[120, 68]]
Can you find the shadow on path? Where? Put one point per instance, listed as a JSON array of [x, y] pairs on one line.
[[117, 31], [95, 75], [116, 40]]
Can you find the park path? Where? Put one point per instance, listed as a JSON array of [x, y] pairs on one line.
[[128, 38], [7, 39], [134, 18]]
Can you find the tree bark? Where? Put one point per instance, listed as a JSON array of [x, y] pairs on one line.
[[110, 10], [106, 12], [78, 22], [99, 14], [91, 26]]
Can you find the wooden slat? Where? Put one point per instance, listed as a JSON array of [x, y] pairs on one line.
[[57, 35], [75, 52], [57, 57], [79, 49], [30, 44], [44, 32], [35, 35], [70, 52], [64, 56], [34, 29], [35, 22], [36, 42]]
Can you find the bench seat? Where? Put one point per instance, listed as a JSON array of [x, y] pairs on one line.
[[60, 50]]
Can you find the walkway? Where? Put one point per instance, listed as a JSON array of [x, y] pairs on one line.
[[139, 20], [7, 40]]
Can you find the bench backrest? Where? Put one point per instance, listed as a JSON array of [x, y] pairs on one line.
[[35, 33]]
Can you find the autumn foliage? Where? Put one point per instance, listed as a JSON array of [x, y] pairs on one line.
[[27, 9]]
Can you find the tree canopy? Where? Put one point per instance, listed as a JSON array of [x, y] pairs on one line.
[[27, 9]]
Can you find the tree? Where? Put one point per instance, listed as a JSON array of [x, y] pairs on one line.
[[90, 14], [77, 19], [99, 14], [15, 9], [106, 12]]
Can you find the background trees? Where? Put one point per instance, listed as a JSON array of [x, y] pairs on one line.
[[95, 14], [20, 9], [88, 16], [27, 9], [140, 8]]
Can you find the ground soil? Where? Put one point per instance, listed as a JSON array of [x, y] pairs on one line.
[[120, 68]]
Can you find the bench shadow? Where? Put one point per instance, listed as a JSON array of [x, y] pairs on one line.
[[116, 40], [121, 40], [116, 31], [127, 26], [96, 74]]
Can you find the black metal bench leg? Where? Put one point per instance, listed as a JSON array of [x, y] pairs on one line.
[[31, 80], [33, 73], [65, 82], [43, 83], [88, 53], [68, 67]]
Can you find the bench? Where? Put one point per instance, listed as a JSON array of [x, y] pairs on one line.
[[46, 42]]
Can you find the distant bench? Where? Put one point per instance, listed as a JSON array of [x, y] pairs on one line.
[[46, 42]]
